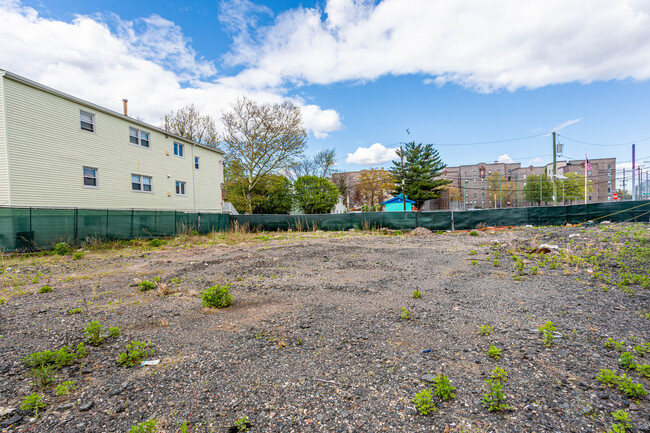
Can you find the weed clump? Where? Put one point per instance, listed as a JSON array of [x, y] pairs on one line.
[[494, 400], [423, 402], [144, 427], [93, 333], [627, 361], [135, 352], [44, 364], [494, 353], [473, 233], [444, 390], [623, 383], [146, 285], [547, 331], [623, 425], [33, 402], [65, 388], [62, 249], [417, 294], [45, 289], [78, 256], [486, 330], [155, 243], [216, 297], [405, 314]]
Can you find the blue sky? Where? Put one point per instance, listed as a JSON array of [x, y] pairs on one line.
[[364, 72]]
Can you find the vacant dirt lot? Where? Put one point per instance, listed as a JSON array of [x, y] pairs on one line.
[[318, 337]]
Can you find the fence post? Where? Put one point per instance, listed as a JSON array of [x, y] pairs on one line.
[[452, 221], [132, 215], [30, 218], [175, 223], [106, 231], [76, 224]]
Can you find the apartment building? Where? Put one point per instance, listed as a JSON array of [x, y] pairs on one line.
[[58, 150]]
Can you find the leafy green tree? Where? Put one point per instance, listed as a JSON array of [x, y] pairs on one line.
[[574, 187], [422, 170], [538, 189], [315, 194], [502, 191], [271, 195], [278, 196]]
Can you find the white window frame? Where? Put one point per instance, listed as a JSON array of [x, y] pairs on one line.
[[92, 123], [178, 146], [141, 183], [197, 163], [183, 185], [138, 137], [83, 177]]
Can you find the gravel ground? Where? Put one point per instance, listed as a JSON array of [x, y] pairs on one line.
[[315, 340]]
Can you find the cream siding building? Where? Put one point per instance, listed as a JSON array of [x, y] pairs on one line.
[[57, 150]]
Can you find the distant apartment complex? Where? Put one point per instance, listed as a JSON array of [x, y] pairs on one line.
[[470, 190], [58, 150]]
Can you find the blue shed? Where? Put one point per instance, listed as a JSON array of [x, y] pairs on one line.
[[396, 204]]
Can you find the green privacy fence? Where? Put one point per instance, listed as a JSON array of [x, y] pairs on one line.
[[28, 228], [636, 211]]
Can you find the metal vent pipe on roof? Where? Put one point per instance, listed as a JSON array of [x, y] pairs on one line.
[[125, 102]]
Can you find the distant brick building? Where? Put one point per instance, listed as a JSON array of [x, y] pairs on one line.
[[469, 188]]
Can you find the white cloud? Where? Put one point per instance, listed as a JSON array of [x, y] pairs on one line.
[[486, 46], [505, 158], [375, 154], [535, 161], [565, 124], [148, 61]]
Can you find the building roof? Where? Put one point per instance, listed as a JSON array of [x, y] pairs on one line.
[[397, 199], [96, 107]]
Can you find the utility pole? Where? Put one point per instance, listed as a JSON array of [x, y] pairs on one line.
[[554, 170], [633, 189], [401, 156]]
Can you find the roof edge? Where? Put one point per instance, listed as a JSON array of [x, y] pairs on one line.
[[39, 86]]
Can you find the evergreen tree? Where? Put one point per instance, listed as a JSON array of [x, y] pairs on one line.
[[422, 170]]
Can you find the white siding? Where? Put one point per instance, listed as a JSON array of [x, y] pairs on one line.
[[4, 175], [48, 150]]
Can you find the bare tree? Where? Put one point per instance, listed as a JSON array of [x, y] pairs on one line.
[[321, 165], [189, 123], [263, 138]]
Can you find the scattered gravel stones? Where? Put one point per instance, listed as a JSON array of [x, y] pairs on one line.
[[315, 341]]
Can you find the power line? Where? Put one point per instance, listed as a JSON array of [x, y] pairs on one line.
[[603, 145]]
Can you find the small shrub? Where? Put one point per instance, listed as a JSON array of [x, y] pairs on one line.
[[146, 285], [75, 311], [155, 243], [623, 383], [65, 388], [473, 233], [144, 427], [473, 262], [627, 361], [33, 403], [405, 314], [494, 352], [45, 289], [473, 252], [93, 333], [78, 256], [423, 402], [135, 352], [62, 249], [534, 270], [607, 377], [194, 233], [547, 331], [216, 297], [486, 330], [114, 331], [417, 294], [623, 425], [81, 350], [494, 399], [499, 374], [611, 343], [242, 424], [444, 391], [644, 370], [496, 263], [3, 301]]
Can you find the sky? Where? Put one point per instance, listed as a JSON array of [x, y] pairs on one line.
[[482, 81]]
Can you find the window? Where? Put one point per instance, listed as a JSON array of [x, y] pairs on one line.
[[139, 138], [90, 177], [140, 183], [178, 149], [87, 121], [180, 188], [196, 162], [474, 172]]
